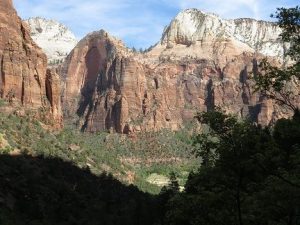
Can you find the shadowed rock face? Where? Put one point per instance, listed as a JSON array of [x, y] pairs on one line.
[[97, 75], [22, 65], [111, 88]]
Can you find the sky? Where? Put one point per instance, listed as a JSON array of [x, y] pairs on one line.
[[139, 23]]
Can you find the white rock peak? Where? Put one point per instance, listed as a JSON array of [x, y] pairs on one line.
[[192, 26], [54, 38]]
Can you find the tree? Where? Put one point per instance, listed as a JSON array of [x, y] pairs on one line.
[[174, 185], [282, 163], [205, 149], [249, 174], [289, 21], [253, 178], [134, 49], [167, 193], [275, 83], [221, 186]]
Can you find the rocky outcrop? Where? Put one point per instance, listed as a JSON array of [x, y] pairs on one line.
[[194, 27], [101, 83], [53, 93], [54, 38], [202, 62], [22, 65]]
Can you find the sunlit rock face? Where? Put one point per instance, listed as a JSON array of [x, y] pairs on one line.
[[201, 62], [193, 27], [54, 38], [103, 83], [23, 66]]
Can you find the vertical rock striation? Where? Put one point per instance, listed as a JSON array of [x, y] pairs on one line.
[[101, 82], [201, 62], [22, 65]]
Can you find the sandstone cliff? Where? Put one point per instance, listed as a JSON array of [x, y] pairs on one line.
[[96, 74], [23, 67], [211, 35], [201, 62]]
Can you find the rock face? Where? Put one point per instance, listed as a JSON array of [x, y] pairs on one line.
[[201, 62], [53, 93], [96, 74], [23, 66], [54, 38], [193, 27]]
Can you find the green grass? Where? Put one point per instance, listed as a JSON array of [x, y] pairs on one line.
[[129, 160]]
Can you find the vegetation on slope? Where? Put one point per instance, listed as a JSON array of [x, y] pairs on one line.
[[129, 160], [248, 174], [37, 190]]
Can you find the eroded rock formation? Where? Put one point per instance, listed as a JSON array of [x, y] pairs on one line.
[[98, 83], [23, 67], [201, 62]]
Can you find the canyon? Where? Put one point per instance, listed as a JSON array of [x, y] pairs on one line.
[[201, 62]]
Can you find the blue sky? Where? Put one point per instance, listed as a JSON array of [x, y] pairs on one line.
[[138, 23]]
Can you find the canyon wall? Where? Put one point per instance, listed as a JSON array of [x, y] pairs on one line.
[[23, 66], [201, 62]]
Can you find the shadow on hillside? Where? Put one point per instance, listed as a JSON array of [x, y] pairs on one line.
[[51, 191]]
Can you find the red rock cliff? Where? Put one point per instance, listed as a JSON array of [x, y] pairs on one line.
[[22, 66], [111, 88], [101, 82]]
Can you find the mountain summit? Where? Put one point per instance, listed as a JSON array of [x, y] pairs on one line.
[[54, 38], [212, 34], [201, 62]]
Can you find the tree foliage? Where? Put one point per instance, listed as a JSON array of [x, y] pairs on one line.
[[273, 81], [249, 174], [254, 178]]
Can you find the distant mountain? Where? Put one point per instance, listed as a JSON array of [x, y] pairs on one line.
[[54, 38], [202, 61], [194, 27]]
